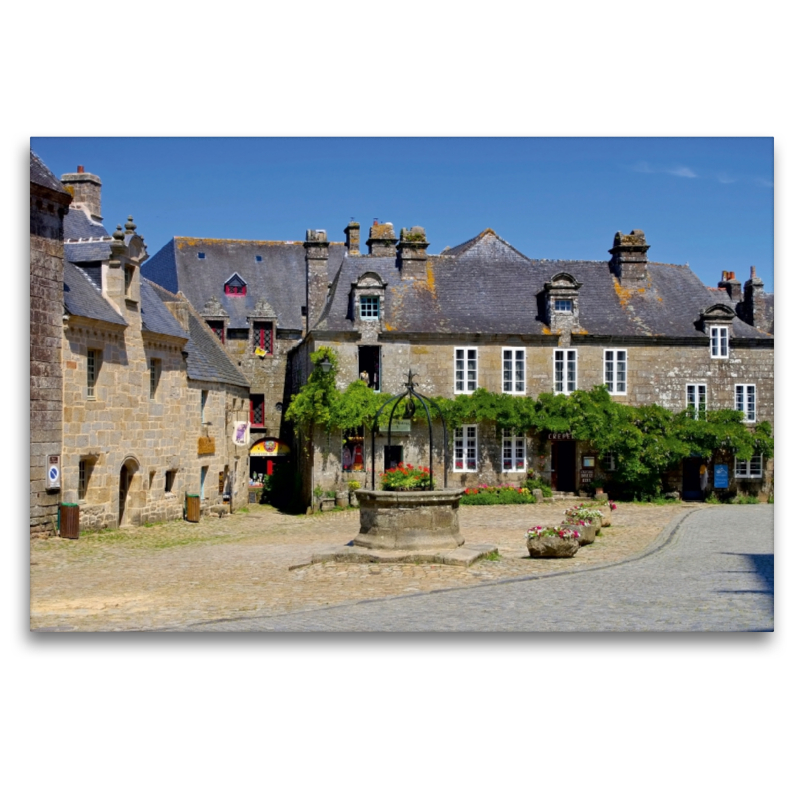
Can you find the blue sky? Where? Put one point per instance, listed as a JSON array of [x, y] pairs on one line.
[[706, 201]]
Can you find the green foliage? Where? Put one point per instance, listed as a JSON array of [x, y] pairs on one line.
[[501, 497], [538, 483]]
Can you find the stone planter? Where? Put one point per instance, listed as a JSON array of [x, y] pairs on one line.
[[552, 547], [588, 533], [409, 520], [326, 503], [342, 499], [353, 500]]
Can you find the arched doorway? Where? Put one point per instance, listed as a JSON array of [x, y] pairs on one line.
[[127, 472]]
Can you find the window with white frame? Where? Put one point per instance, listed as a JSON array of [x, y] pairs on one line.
[[565, 371], [719, 341], [696, 399], [466, 369], [465, 449], [746, 400], [513, 452], [514, 370], [749, 469], [616, 371], [370, 307], [562, 305]]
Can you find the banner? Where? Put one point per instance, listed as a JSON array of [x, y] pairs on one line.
[[241, 433]]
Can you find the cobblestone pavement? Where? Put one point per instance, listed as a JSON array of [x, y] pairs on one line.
[[178, 574], [713, 572]]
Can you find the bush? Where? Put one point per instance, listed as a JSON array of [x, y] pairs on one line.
[[501, 497], [538, 483]]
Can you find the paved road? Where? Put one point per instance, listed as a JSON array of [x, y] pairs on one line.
[[711, 572]]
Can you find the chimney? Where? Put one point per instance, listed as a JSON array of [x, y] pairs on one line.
[[754, 302], [381, 240], [629, 257], [85, 188], [316, 246], [352, 240], [412, 258], [731, 285]]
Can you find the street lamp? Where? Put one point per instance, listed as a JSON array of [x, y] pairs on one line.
[[326, 365]]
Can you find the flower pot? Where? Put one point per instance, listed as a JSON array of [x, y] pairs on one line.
[[552, 547]]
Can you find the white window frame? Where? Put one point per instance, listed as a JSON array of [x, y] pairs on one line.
[[744, 400], [615, 371], [567, 303], [370, 310], [468, 385], [513, 446], [565, 359], [693, 397], [514, 385], [465, 438], [719, 341], [754, 468]]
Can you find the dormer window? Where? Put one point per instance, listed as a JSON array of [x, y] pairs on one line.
[[716, 320], [367, 299], [370, 307], [563, 305], [235, 286], [561, 302], [719, 341]]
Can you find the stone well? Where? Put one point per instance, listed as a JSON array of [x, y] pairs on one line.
[[409, 520]]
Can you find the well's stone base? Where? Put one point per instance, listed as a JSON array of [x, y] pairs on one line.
[[459, 557], [409, 520]]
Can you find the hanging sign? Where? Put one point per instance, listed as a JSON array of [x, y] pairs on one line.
[[554, 437], [720, 476], [241, 433], [399, 426], [270, 447]]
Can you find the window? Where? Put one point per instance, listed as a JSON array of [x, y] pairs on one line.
[[369, 366], [616, 373], [259, 259], [92, 371], [169, 481], [513, 452], [749, 469], [609, 463], [203, 476], [466, 368], [565, 371], [262, 337], [353, 451], [746, 400], [218, 326], [719, 342], [128, 280], [84, 474], [203, 402], [563, 305], [465, 449], [370, 307], [155, 376], [236, 285], [201, 255], [696, 399], [514, 370], [257, 410]]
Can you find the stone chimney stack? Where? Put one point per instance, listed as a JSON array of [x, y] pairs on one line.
[[316, 245], [732, 286], [754, 302], [85, 188], [352, 239], [412, 257], [381, 240], [629, 257]]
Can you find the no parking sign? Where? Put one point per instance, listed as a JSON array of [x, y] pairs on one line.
[[53, 472]]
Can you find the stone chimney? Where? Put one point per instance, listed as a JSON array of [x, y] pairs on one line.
[[629, 257], [731, 286], [316, 245], [754, 302], [412, 256], [381, 240], [85, 188], [352, 234]]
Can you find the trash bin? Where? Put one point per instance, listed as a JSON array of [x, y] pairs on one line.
[[68, 520], [192, 508]]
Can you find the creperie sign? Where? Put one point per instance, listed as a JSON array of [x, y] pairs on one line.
[[553, 437]]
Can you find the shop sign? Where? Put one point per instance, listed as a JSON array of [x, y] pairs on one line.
[[587, 476], [399, 426], [557, 437], [270, 447], [205, 446], [720, 476]]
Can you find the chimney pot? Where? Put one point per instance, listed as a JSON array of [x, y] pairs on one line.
[[752, 273], [80, 168]]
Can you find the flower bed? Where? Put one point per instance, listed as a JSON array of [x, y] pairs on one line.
[[497, 495]]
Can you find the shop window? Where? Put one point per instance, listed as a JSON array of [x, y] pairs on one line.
[[513, 452], [353, 451], [466, 369], [262, 338], [746, 400], [749, 469], [514, 370], [565, 371], [696, 399], [616, 372], [369, 366], [465, 449], [257, 410]]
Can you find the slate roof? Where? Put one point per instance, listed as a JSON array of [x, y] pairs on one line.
[[206, 360], [486, 286], [280, 278], [156, 317], [41, 175], [83, 299], [79, 225]]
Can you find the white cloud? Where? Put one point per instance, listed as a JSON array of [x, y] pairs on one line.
[[642, 166], [762, 182], [646, 167], [724, 177], [682, 172]]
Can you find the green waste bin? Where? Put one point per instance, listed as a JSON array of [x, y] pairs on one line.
[[192, 508], [68, 520]]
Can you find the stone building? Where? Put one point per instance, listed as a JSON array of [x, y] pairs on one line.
[[150, 399], [49, 202]]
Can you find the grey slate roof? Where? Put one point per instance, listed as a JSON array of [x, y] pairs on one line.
[[156, 317], [79, 225], [206, 360], [486, 286], [83, 299], [42, 176], [280, 278]]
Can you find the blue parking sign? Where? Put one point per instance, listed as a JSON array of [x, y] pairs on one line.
[[720, 476]]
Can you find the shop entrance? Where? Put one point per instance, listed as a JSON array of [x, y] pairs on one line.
[[692, 487], [392, 456], [564, 466]]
